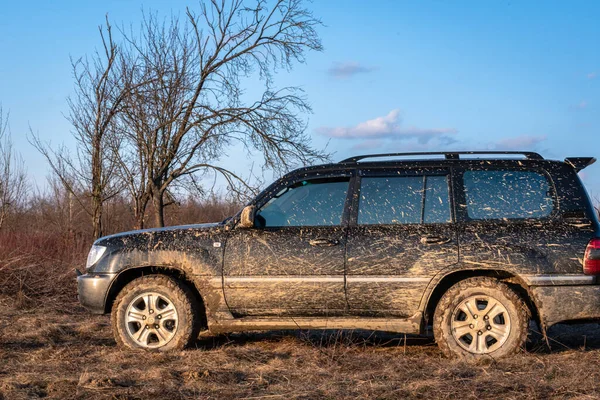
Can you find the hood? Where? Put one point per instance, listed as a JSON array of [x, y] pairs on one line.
[[177, 228]]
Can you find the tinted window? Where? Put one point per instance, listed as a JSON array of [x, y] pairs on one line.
[[507, 195], [306, 203], [400, 200], [437, 200]]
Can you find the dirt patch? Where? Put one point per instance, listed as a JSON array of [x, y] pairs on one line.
[[67, 353]]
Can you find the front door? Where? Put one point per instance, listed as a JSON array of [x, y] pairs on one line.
[[292, 261], [400, 237]]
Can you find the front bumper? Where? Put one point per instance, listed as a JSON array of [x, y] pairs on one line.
[[92, 291], [567, 303]]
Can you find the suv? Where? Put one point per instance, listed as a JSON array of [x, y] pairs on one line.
[[475, 247]]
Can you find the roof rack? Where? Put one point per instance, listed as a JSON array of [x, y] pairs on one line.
[[452, 155]]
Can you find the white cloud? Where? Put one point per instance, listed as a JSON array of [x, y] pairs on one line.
[[348, 69], [388, 126], [388, 134], [452, 143]]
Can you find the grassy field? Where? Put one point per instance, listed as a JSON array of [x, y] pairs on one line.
[[58, 350]]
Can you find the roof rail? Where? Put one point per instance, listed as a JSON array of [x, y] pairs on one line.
[[452, 155]]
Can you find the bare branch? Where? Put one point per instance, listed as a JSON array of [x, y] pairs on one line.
[[185, 103]]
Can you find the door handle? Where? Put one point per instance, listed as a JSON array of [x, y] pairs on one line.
[[324, 242], [434, 240]]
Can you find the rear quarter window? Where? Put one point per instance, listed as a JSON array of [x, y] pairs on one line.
[[507, 194]]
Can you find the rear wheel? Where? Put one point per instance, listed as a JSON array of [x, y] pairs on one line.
[[155, 312], [481, 317]]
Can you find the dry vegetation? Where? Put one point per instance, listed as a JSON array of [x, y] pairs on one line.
[[50, 347], [55, 349]]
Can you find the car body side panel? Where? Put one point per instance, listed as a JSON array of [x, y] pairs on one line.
[[524, 248], [547, 247], [281, 271], [567, 303], [389, 267], [196, 251], [277, 271], [550, 245]]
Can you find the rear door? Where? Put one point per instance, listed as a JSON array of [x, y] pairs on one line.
[[401, 234], [512, 219]]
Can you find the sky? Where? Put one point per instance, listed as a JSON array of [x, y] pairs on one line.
[[393, 76]]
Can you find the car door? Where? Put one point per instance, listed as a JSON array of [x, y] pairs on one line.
[[292, 261], [401, 234], [510, 220]]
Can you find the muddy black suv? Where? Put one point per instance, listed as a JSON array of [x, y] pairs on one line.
[[472, 245]]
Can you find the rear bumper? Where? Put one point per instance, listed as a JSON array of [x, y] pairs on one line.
[[567, 303], [92, 291]]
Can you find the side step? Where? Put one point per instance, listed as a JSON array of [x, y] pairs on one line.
[[410, 325]]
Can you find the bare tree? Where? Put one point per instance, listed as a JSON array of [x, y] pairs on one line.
[[186, 104], [132, 162], [92, 110], [13, 179]]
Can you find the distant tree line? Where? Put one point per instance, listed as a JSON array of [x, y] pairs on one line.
[[13, 179]]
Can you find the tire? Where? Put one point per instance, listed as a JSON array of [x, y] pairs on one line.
[[171, 322], [479, 318]]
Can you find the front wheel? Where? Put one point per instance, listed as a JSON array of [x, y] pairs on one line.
[[480, 317], [155, 312]]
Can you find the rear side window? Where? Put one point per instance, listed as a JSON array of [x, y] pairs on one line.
[[505, 194], [404, 200]]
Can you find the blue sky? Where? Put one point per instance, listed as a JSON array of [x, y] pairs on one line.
[[394, 75]]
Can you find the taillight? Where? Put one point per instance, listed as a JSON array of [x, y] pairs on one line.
[[591, 259]]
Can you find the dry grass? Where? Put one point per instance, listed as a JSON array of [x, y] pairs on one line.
[[35, 266], [52, 348], [63, 352]]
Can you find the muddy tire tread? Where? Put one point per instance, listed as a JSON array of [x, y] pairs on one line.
[[523, 312], [179, 292]]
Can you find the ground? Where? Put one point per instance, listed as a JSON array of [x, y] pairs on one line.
[[59, 350]]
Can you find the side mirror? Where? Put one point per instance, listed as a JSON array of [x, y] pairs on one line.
[[247, 217]]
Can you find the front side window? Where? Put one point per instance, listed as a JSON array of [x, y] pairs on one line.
[[318, 202], [404, 200], [505, 194]]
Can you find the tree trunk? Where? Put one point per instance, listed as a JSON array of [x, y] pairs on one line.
[[159, 208], [140, 211], [97, 186], [3, 213], [97, 216], [139, 218]]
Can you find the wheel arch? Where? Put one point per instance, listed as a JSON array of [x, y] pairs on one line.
[[128, 275], [433, 296]]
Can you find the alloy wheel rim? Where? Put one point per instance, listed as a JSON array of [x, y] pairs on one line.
[[480, 324], [151, 320]]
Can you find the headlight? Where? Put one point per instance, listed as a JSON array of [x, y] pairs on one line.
[[95, 253]]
